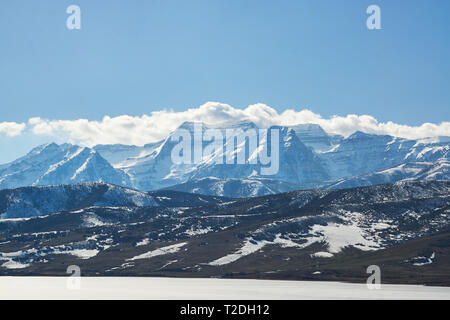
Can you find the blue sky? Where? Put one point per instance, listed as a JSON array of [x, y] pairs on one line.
[[134, 57]]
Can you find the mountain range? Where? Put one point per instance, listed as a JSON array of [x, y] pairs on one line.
[[331, 235], [27, 202], [309, 157], [335, 206]]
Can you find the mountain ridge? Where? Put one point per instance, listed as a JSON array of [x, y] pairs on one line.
[[309, 157], [304, 235]]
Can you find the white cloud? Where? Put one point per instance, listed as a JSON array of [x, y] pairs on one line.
[[157, 125], [12, 129]]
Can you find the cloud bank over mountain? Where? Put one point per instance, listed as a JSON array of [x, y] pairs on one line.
[[11, 129], [139, 130]]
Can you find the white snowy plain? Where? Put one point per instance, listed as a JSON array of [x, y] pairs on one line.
[[113, 288]]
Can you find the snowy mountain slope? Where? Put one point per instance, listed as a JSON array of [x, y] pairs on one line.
[[438, 170], [26, 170], [290, 235], [119, 155], [36, 201], [157, 170], [234, 188], [171, 198], [363, 153], [411, 171], [312, 135], [44, 200], [296, 162], [60, 164], [85, 165], [308, 157]]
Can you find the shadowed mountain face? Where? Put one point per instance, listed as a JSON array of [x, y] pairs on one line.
[[308, 157], [314, 234], [313, 136], [37, 201]]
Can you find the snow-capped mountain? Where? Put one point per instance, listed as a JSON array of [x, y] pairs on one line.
[[119, 155], [297, 163], [235, 188], [309, 157], [156, 169], [439, 170], [312, 135], [60, 164], [363, 153]]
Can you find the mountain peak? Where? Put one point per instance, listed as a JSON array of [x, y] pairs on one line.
[[311, 128], [359, 134], [189, 125], [46, 147], [244, 124]]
